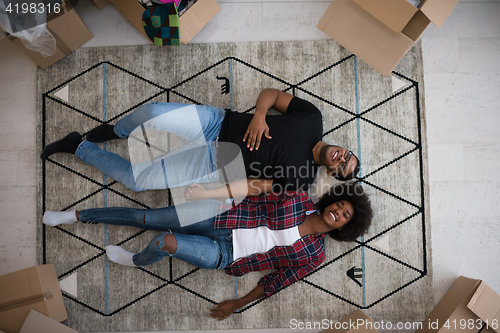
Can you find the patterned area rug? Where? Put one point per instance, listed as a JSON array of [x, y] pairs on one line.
[[387, 272]]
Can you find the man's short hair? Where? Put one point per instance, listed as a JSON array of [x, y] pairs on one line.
[[363, 213]]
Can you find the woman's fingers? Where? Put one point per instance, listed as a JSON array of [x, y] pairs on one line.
[[221, 311], [190, 190]]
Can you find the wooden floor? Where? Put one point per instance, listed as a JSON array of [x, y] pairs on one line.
[[462, 85]]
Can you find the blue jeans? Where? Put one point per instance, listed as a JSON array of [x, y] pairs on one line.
[[198, 244], [195, 162]]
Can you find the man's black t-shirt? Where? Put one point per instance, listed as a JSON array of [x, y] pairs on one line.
[[287, 157]]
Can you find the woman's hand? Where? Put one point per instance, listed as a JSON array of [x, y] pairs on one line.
[[195, 192], [256, 128], [224, 309]]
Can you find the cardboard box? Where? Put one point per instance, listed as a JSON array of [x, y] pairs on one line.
[[381, 32], [69, 31], [191, 22], [37, 322], [465, 308], [356, 321], [35, 288], [100, 3]]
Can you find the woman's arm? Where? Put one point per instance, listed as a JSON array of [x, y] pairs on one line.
[[275, 281], [285, 276], [226, 308], [239, 189]]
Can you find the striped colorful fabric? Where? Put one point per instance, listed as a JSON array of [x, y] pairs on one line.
[[161, 24]]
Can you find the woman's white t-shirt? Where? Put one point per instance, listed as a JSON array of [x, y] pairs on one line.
[[262, 239]]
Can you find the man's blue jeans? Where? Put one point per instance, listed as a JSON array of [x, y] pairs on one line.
[[198, 244], [195, 162]]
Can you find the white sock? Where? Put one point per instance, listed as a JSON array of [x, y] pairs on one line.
[[120, 256], [56, 218]]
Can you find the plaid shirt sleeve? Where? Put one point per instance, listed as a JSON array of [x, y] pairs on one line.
[[292, 270], [264, 199], [285, 276], [262, 210]]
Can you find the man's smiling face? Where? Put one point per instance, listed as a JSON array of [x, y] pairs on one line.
[[338, 160]]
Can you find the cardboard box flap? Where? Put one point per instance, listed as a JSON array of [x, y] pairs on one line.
[[196, 17], [393, 13], [29, 285], [37, 322], [453, 303], [416, 26], [132, 10], [485, 303], [438, 10], [25, 301], [100, 3], [49, 281], [69, 31], [364, 324], [35, 288], [364, 35]]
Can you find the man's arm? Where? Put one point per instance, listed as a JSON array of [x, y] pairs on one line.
[[272, 98], [226, 308], [239, 189], [268, 98]]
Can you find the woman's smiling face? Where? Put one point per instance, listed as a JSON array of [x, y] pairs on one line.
[[338, 214]]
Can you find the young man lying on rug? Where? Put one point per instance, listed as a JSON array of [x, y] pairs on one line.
[[274, 148], [281, 231]]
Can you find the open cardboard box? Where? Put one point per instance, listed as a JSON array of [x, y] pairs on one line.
[[381, 32], [35, 288], [355, 322], [68, 30], [467, 306], [191, 22]]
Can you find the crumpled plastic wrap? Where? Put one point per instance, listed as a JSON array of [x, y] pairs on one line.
[[30, 28]]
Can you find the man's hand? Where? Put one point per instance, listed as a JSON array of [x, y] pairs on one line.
[[256, 128], [224, 309], [268, 98], [195, 192]]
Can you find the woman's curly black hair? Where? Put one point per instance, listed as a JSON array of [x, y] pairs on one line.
[[363, 214]]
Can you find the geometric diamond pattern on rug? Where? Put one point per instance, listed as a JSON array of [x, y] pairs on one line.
[[367, 115]]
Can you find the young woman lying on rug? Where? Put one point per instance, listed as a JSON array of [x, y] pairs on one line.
[[282, 231]]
